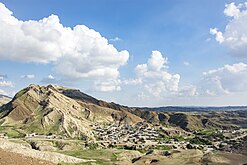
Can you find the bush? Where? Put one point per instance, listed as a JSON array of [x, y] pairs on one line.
[[166, 153], [92, 146], [189, 146], [34, 145], [201, 141], [149, 152]]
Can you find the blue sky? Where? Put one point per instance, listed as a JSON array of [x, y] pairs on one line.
[[163, 52]]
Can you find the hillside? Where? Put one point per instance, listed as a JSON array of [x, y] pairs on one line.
[[194, 109], [69, 112], [45, 109]]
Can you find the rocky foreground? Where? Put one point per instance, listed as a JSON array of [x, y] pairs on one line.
[[10, 158], [23, 152]]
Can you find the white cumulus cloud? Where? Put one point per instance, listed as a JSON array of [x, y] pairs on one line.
[[225, 80], [218, 35], [234, 36], [78, 52], [107, 86], [155, 78]]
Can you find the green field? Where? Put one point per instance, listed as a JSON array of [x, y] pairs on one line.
[[102, 156]]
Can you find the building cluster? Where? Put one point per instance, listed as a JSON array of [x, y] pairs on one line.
[[41, 136], [142, 135], [119, 134]]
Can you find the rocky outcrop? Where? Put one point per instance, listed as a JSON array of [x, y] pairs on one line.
[[43, 155], [46, 110]]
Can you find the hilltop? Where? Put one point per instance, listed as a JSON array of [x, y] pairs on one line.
[[59, 110]]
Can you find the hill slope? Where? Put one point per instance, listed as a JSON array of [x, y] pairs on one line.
[[70, 112], [46, 110]]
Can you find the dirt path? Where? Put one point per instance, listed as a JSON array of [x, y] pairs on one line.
[[10, 158]]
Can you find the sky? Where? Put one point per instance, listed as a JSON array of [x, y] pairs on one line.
[[132, 52]]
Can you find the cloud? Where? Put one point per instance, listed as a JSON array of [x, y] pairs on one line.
[[225, 80], [132, 82], [235, 35], [190, 90], [51, 77], [107, 86], [186, 63], [218, 35], [2, 92], [6, 84], [28, 76], [154, 77], [49, 80], [75, 53], [3, 76], [232, 10], [116, 39]]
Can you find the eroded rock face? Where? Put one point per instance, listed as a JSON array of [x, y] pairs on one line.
[[46, 109], [71, 113]]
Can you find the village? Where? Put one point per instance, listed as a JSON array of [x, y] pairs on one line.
[[143, 136]]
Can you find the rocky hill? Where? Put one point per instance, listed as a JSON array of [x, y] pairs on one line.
[[70, 112], [45, 109]]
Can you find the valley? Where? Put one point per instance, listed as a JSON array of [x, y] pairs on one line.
[[75, 128]]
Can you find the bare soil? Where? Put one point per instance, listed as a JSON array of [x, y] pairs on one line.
[[10, 158]]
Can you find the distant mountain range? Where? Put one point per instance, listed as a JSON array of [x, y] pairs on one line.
[[4, 99], [194, 109], [70, 112]]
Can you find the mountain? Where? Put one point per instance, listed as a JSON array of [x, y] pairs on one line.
[[4, 99], [46, 109], [194, 109], [70, 112]]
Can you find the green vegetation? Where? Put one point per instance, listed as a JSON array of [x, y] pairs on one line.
[[92, 146], [163, 147], [207, 132], [102, 156], [11, 132], [167, 153], [211, 134], [177, 138], [201, 141], [20, 93]]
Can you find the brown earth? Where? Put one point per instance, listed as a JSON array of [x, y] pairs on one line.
[[10, 158], [223, 158], [69, 112]]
